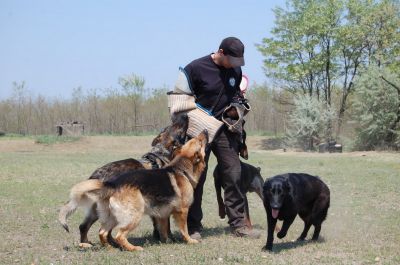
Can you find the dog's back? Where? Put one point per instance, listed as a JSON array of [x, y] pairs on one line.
[[305, 187], [154, 184], [115, 168]]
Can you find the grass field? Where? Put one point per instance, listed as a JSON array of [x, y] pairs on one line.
[[363, 224]]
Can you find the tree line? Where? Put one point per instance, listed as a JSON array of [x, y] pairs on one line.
[[128, 109]]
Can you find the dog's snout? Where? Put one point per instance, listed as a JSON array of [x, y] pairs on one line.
[[275, 206], [205, 132]]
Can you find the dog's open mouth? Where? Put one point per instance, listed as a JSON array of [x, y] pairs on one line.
[[275, 213]]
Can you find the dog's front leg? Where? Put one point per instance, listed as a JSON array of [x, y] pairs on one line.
[[180, 218], [271, 227], [285, 226], [162, 227], [156, 231], [247, 212]]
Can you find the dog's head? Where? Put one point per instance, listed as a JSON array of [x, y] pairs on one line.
[[275, 191], [173, 136], [194, 150], [256, 183]]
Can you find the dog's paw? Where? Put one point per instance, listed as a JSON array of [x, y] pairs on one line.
[[267, 248], [222, 213], [281, 234], [192, 241], [133, 248], [85, 245]]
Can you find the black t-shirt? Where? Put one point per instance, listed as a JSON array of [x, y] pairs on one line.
[[207, 79]]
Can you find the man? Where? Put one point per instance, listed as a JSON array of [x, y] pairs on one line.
[[215, 80]]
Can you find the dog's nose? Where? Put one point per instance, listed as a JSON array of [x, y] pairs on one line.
[[206, 134]]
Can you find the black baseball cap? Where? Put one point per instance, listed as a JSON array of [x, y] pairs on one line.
[[234, 49]]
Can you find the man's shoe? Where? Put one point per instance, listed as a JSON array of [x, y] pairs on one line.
[[247, 232], [195, 235]]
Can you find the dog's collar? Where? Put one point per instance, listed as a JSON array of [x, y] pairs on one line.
[[157, 157]]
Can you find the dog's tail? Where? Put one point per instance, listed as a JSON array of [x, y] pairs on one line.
[[79, 196]]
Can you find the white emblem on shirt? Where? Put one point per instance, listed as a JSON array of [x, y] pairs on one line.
[[232, 81]]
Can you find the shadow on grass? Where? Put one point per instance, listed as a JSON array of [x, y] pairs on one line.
[[278, 247], [149, 240], [214, 231]]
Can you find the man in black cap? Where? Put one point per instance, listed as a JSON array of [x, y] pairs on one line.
[[215, 79]]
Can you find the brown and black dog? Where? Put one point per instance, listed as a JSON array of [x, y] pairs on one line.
[[164, 148], [124, 199], [251, 181]]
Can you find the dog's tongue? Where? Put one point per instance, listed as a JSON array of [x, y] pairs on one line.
[[275, 213]]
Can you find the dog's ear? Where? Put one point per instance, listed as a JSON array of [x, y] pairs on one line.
[[158, 137], [286, 185], [259, 169], [180, 124]]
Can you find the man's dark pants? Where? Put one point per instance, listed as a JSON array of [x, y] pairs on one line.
[[226, 148]]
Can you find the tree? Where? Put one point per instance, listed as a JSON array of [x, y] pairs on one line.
[[377, 108], [133, 86], [369, 35], [300, 55]]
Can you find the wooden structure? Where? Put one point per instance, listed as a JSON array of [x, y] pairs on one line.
[[68, 128]]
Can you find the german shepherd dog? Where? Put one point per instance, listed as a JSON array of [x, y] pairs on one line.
[[164, 148], [290, 194], [124, 199], [251, 181]]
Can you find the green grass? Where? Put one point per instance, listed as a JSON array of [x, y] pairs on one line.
[[53, 139], [362, 225]]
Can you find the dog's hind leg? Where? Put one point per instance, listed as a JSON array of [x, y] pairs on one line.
[[218, 185], [247, 213], [303, 235], [319, 213], [317, 230], [127, 207], [84, 227], [285, 226], [181, 220], [121, 237], [124, 227], [105, 235]]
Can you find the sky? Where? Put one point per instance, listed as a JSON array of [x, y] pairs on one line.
[[55, 46]]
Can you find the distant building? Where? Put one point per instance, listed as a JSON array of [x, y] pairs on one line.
[[68, 128]]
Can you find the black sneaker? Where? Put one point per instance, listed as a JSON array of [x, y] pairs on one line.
[[246, 232]]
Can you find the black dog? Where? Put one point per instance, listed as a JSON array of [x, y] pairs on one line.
[[290, 194], [251, 181]]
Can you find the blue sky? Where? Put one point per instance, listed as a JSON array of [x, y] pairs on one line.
[[57, 45]]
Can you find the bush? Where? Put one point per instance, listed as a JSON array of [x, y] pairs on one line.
[[310, 120]]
